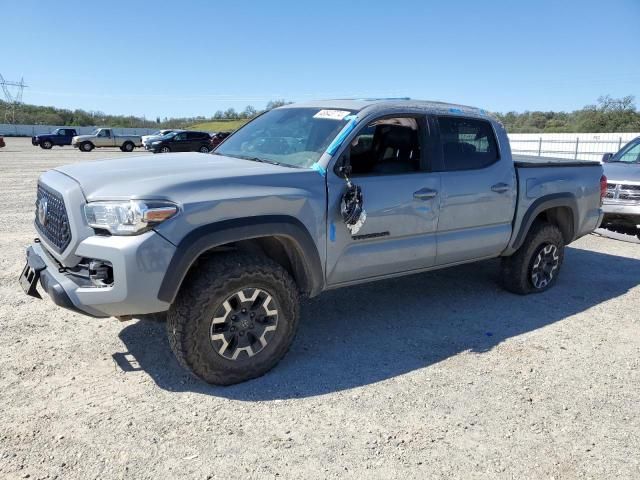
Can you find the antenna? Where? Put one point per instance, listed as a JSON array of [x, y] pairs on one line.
[[13, 100]]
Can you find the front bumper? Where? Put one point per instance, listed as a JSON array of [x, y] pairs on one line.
[[621, 213], [139, 264]]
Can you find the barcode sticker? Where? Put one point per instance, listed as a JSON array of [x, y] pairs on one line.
[[332, 114]]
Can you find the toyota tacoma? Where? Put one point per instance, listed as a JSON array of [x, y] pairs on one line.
[[302, 199]]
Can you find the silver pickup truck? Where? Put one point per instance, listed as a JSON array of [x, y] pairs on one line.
[[302, 199], [105, 137]]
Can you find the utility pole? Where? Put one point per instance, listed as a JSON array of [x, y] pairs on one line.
[[13, 100]]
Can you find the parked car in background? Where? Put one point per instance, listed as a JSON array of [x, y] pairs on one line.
[[147, 139], [105, 137], [622, 201], [59, 137], [2, 144], [182, 142], [217, 138], [300, 200]]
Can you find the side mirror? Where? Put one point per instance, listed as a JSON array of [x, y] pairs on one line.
[[607, 157], [344, 165]]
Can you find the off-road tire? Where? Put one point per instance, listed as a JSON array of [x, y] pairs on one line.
[[203, 292], [516, 270], [127, 147], [46, 145], [86, 146]]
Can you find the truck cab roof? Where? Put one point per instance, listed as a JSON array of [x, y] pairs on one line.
[[375, 105]]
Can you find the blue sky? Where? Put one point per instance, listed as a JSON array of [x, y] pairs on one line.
[[194, 57]]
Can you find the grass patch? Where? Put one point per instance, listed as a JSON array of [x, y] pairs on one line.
[[218, 125]]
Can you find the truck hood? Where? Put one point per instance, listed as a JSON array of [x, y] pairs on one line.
[[78, 138], [171, 176], [622, 172]]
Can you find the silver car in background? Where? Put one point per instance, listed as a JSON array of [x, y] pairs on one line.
[[148, 139], [622, 201]]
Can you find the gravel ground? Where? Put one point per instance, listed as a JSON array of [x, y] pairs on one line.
[[440, 375]]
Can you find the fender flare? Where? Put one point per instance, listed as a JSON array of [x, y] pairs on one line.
[[206, 237], [546, 202]]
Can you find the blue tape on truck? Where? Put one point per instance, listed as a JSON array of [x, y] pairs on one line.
[[346, 130], [319, 168]]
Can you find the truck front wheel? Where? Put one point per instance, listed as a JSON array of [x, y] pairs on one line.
[[46, 145], [234, 318], [86, 146], [127, 147], [534, 268]]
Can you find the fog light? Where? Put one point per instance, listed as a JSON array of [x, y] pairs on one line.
[[101, 273]]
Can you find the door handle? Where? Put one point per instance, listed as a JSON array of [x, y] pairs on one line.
[[500, 188], [425, 194]]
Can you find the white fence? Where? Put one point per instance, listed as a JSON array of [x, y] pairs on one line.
[[31, 130], [577, 146]]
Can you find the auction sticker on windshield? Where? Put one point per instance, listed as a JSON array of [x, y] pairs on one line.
[[332, 114]]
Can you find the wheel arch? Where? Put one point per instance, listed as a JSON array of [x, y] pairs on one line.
[[560, 209], [284, 239]]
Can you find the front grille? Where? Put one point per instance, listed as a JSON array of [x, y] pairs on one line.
[[51, 218], [623, 191]]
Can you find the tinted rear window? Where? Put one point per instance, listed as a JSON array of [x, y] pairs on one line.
[[467, 143]]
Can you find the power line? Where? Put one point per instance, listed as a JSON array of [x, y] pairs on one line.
[[13, 100]]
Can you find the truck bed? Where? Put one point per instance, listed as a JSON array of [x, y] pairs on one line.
[[530, 161]]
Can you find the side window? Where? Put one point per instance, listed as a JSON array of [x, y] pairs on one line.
[[385, 147], [194, 135], [631, 154], [180, 136], [467, 144], [62, 132]]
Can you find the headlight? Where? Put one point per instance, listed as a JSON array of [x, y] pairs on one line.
[[128, 218]]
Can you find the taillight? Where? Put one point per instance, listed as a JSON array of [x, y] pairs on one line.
[[603, 187]]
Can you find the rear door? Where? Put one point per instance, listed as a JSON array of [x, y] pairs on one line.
[[195, 140], [390, 162], [478, 191]]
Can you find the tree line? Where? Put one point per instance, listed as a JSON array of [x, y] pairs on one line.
[[40, 115], [607, 115]]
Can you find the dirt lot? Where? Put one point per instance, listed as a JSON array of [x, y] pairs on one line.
[[440, 375]]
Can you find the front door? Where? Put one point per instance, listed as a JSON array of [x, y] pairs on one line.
[[401, 200], [180, 143]]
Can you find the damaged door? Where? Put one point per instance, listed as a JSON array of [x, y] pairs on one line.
[[400, 198]]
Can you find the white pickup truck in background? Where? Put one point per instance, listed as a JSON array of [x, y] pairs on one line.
[[105, 137]]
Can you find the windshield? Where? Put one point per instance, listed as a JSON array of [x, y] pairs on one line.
[[629, 154], [169, 135], [295, 137]]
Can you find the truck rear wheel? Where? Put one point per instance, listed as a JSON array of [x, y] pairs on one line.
[[234, 318], [534, 268]]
